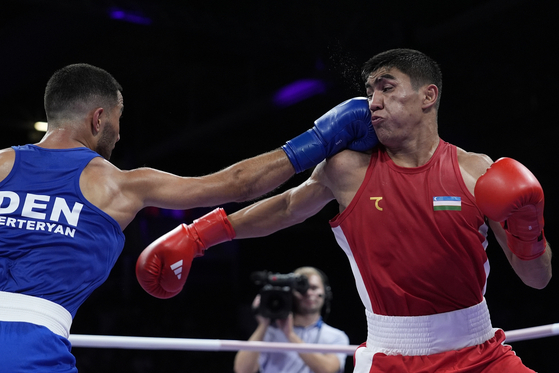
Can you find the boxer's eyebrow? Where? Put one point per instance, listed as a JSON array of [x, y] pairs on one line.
[[380, 78], [385, 76]]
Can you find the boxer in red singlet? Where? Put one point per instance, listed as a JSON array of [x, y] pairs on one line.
[[414, 217]]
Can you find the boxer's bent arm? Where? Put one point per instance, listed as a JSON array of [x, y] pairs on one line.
[[535, 273], [283, 210]]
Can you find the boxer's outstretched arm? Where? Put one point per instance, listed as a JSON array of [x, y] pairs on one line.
[[121, 194], [283, 210], [242, 181], [348, 125], [157, 266]]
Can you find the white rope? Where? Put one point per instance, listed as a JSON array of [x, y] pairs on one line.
[[532, 333], [193, 344], [150, 343]]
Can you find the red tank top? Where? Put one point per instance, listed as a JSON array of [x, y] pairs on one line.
[[415, 237]]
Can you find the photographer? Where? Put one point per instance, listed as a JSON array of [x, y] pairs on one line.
[[303, 325]]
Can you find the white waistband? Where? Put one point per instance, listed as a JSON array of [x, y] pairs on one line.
[[39, 311], [426, 335]]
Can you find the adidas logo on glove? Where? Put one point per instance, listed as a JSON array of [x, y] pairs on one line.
[[177, 268]]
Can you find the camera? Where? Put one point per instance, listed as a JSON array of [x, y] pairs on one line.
[[276, 296]]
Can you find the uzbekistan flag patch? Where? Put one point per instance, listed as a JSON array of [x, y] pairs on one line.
[[445, 203]]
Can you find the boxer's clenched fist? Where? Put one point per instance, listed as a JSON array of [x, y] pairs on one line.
[[509, 193], [347, 125]]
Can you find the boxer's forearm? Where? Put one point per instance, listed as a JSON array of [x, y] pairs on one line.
[[255, 176], [262, 218], [281, 211], [535, 273]]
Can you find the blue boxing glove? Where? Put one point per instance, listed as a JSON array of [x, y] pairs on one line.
[[347, 125]]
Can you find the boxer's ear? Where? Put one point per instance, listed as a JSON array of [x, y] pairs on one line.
[[95, 121], [430, 96]]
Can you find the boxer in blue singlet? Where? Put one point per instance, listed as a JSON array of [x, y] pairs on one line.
[[63, 207]]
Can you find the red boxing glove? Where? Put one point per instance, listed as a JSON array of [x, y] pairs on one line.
[[509, 193], [163, 266]]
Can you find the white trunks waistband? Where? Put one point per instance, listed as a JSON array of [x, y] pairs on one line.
[[427, 335], [24, 308]]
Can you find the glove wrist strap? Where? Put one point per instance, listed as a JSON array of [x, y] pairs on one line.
[[305, 151], [213, 228], [526, 250]]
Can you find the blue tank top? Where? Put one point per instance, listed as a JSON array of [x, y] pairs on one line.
[[54, 244]]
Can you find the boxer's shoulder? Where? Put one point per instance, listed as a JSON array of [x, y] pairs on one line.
[[99, 169], [473, 163], [472, 166], [7, 155], [347, 160], [7, 158], [343, 174], [347, 166]]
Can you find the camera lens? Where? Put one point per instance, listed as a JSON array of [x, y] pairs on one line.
[[275, 302]]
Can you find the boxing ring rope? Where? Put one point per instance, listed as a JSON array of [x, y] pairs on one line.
[[193, 344], [532, 333]]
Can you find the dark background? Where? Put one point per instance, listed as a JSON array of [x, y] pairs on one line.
[[199, 79]]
